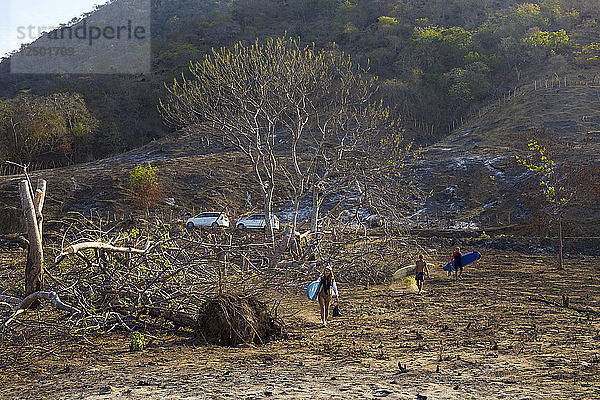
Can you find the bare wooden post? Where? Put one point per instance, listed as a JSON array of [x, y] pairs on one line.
[[560, 243], [32, 209]]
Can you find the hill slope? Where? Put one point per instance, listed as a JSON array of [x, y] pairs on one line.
[[197, 176], [473, 172]]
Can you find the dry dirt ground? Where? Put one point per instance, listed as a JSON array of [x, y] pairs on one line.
[[496, 334]]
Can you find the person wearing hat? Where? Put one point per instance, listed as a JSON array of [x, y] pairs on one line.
[[327, 288]]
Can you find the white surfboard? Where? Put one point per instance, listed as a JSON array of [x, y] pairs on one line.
[[404, 272]]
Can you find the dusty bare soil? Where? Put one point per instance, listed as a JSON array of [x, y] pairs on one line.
[[495, 334]]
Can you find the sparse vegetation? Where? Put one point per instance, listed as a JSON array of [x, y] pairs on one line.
[[555, 183], [137, 341]]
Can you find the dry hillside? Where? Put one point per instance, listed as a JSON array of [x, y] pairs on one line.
[[473, 172]]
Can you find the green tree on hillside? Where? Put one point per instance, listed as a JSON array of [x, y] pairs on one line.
[[588, 54], [147, 192], [440, 48], [552, 42], [55, 127], [469, 83], [554, 184]]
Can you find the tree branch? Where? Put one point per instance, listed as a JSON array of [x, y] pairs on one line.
[[76, 248]]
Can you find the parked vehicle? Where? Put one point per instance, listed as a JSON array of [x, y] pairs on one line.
[[375, 221], [212, 219], [257, 221]]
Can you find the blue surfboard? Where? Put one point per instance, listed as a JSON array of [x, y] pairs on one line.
[[313, 289], [465, 259]]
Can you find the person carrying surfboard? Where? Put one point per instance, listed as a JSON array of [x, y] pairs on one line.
[[421, 268], [327, 288], [457, 264]]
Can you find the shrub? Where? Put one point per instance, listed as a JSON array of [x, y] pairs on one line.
[[454, 36], [145, 187], [588, 54], [553, 42], [387, 22], [56, 127], [137, 341]]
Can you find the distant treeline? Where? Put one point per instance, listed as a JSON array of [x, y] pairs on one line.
[[435, 59]]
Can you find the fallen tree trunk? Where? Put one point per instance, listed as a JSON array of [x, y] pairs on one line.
[[10, 299], [35, 298], [52, 297], [178, 318]]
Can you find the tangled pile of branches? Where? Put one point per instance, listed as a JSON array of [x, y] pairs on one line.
[[150, 275], [111, 275]]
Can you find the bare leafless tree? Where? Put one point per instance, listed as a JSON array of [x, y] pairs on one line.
[[304, 114], [231, 95]]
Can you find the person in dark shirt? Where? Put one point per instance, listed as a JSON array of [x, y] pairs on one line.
[[457, 264]]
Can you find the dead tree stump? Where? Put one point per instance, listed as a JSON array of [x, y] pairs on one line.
[[32, 210]]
